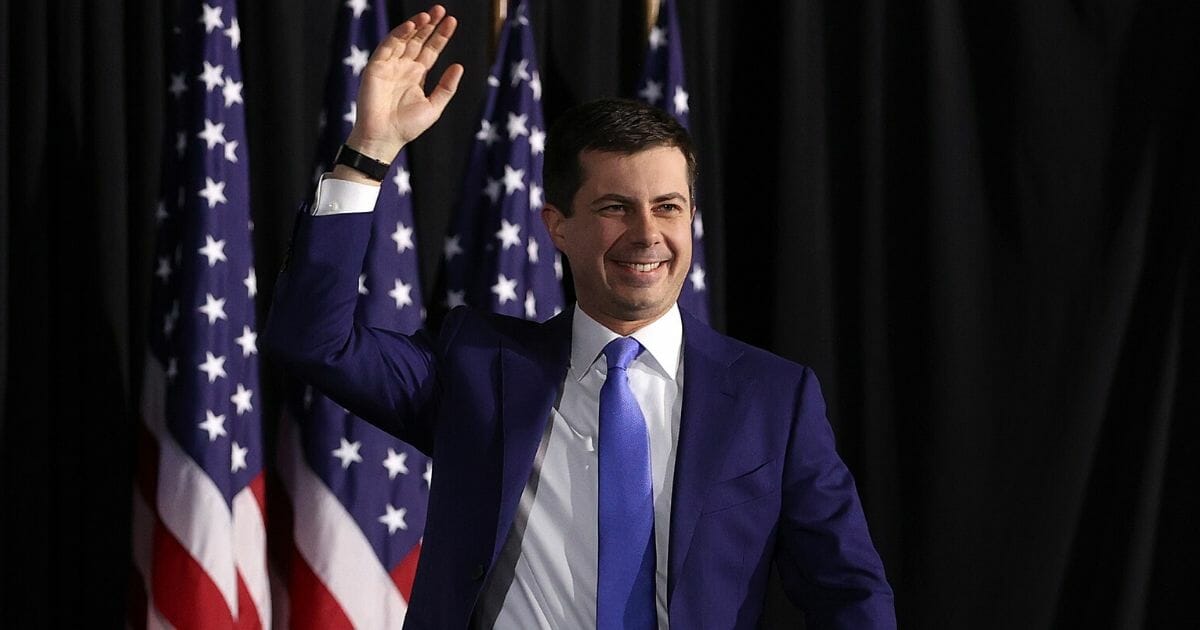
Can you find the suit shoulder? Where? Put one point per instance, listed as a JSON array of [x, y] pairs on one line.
[[762, 365]]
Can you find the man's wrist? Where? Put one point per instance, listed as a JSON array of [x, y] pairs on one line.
[[343, 172]]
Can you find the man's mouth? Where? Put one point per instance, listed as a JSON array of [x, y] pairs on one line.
[[642, 267]]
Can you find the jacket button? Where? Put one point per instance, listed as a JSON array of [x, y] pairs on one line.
[[477, 572]]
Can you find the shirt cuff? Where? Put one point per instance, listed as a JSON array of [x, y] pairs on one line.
[[338, 196]]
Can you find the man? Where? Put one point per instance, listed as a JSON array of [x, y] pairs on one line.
[[620, 466]]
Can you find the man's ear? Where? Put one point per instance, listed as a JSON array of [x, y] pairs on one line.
[[555, 222]]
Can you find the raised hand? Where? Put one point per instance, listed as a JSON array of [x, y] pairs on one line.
[[393, 108]]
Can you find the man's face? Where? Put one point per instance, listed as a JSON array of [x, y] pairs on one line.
[[629, 237]]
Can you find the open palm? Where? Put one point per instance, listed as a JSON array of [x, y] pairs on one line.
[[393, 108]]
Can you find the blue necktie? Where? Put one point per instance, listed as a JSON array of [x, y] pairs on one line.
[[625, 580]]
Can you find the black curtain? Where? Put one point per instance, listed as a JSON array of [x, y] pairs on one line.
[[977, 221]]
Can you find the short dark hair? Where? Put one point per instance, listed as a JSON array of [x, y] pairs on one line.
[[614, 125]]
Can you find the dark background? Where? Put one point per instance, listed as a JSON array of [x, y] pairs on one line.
[[977, 221]]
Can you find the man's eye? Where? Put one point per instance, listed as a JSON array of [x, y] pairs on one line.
[[616, 207], [670, 208]]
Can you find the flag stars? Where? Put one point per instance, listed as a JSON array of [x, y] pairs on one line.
[[213, 366], [213, 424], [251, 282], [234, 33], [237, 457], [213, 250], [530, 305], [519, 71], [232, 91], [452, 247], [697, 278], [211, 18], [558, 270], [395, 463], [178, 85], [351, 115], [487, 133], [658, 38], [537, 141], [403, 185], [505, 289], [697, 226], [348, 453], [455, 299], [394, 519], [492, 189], [402, 293], [248, 341], [516, 125], [357, 59], [514, 179], [531, 250], [213, 134], [213, 192], [651, 92], [509, 234], [164, 269], [403, 238], [681, 100], [535, 197], [231, 150], [214, 308], [362, 284], [212, 76], [535, 84], [428, 476], [241, 399], [358, 7]]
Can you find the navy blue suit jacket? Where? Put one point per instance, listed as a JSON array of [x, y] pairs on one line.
[[757, 478]]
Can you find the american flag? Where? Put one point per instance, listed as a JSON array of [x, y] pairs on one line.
[[663, 85], [357, 494], [498, 255], [199, 533]]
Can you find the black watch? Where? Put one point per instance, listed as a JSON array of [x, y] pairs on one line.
[[366, 165]]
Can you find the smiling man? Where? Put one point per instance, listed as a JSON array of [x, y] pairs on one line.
[[622, 465]]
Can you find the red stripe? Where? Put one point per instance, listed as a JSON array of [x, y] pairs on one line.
[[183, 592], [313, 606], [135, 606], [258, 488], [404, 572], [248, 617]]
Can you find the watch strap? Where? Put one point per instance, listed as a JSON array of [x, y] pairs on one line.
[[364, 164]]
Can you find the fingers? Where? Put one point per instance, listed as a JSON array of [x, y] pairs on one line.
[[394, 40], [437, 41], [446, 87]]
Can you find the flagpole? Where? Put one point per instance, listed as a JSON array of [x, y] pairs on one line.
[[651, 14], [499, 14]]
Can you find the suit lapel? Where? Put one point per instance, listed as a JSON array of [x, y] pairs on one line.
[[531, 372], [706, 425]]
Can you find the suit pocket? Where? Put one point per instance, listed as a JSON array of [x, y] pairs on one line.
[[744, 488]]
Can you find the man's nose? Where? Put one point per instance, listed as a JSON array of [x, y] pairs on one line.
[[643, 227]]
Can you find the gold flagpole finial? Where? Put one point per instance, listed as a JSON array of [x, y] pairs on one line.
[[499, 14], [651, 15]]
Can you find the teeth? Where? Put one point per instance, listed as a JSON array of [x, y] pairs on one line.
[[643, 266]]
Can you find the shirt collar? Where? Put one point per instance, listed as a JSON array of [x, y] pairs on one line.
[[662, 339]]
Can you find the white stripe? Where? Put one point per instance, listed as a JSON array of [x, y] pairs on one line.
[[328, 538], [250, 547], [189, 503]]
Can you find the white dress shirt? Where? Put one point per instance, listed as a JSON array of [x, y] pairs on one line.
[[553, 583]]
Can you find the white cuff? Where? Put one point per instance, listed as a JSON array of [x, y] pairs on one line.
[[338, 196]]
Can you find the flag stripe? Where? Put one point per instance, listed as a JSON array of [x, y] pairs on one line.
[[334, 547]]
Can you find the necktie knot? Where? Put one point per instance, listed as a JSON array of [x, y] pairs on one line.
[[620, 352]]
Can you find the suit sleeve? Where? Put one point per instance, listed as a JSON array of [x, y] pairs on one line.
[[827, 562], [383, 376]]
